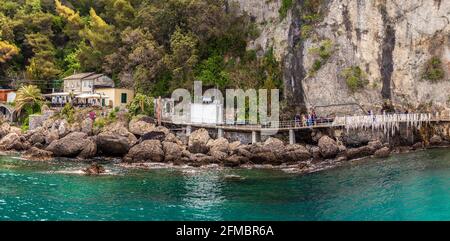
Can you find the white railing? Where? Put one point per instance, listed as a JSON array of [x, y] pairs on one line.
[[385, 121]]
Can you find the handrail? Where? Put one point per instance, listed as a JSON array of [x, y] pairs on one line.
[[346, 121]]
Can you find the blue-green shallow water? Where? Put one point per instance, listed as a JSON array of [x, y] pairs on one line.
[[413, 186]]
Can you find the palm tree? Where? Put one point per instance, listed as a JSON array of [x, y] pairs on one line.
[[29, 97]]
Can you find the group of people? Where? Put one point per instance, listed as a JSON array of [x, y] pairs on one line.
[[306, 119]]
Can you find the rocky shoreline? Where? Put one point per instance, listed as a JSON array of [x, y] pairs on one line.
[[139, 142]]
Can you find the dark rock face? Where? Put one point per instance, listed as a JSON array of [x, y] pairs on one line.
[[355, 139], [294, 71], [387, 63], [153, 135]]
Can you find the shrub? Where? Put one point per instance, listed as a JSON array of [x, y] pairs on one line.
[[355, 78], [68, 112], [100, 123], [433, 70], [141, 104]]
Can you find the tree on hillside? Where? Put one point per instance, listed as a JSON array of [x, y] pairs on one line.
[[98, 41], [74, 21], [183, 56], [140, 56], [7, 51], [42, 65]]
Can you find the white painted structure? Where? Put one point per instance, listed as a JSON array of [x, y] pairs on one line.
[[206, 113], [10, 97]]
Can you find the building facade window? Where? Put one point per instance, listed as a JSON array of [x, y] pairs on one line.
[[123, 98]]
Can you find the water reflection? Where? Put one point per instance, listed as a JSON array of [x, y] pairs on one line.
[[203, 198]]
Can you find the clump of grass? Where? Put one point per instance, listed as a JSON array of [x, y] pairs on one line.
[[433, 70], [286, 5], [355, 78], [323, 52]]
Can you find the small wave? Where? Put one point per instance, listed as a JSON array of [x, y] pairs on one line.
[[233, 177], [80, 172]]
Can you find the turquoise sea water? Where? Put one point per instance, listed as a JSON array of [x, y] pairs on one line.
[[413, 186]]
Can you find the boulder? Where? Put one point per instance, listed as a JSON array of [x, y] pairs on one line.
[[316, 154], [355, 138], [139, 127], [353, 153], [172, 138], [147, 151], [89, 150], [63, 128], [200, 159], [295, 153], [242, 151], [383, 152], [4, 129], [218, 155], [375, 145], [265, 158], [198, 141], [316, 135], [435, 140], [12, 141], [75, 127], [418, 145], [115, 142], [15, 129], [37, 154], [87, 125], [200, 136], [328, 147], [37, 137], [70, 146], [198, 147], [51, 136], [274, 145], [221, 145], [234, 145], [94, 169], [172, 151], [163, 129], [235, 161]]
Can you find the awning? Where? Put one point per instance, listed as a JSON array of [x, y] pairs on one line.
[[91, 96], [57, 94]]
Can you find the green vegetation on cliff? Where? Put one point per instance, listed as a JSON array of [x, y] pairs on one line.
[[153, 46], [355, 78], [433, 70]]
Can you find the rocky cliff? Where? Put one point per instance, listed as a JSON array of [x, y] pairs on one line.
[[347, 56]]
